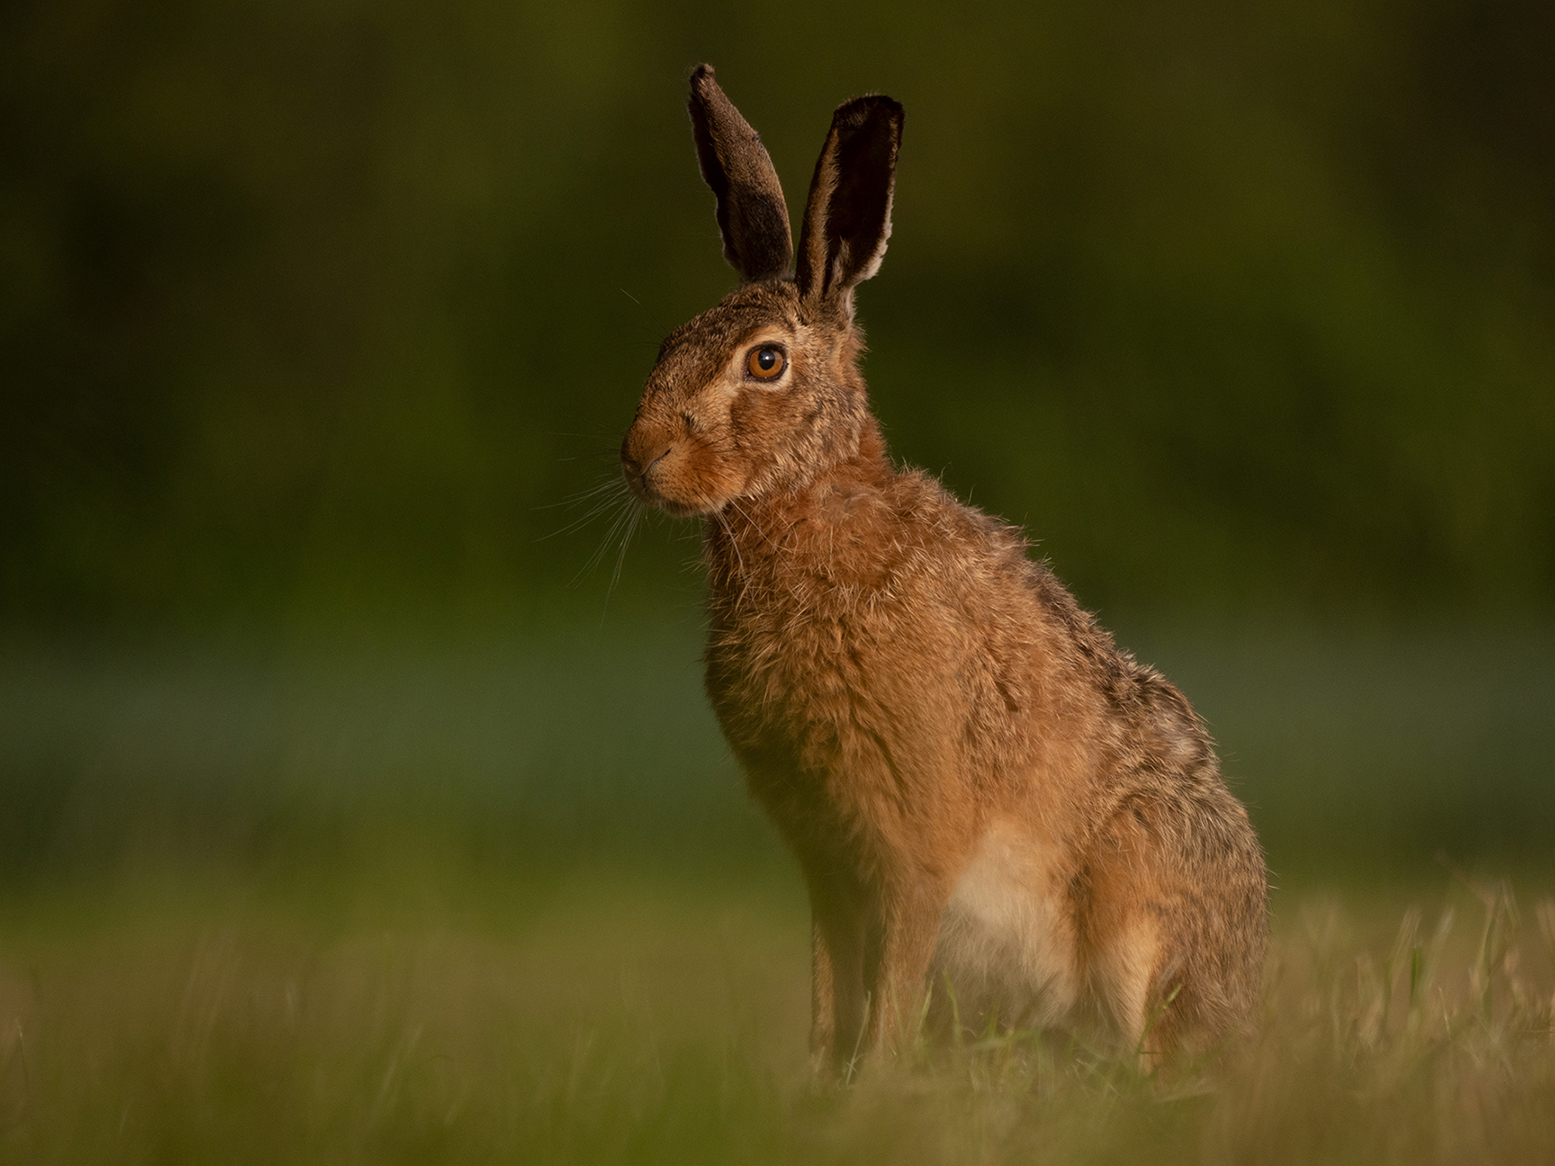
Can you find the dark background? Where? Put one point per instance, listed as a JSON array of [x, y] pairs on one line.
[[315, 316]]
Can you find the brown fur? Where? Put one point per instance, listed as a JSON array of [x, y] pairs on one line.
[[979, 786]]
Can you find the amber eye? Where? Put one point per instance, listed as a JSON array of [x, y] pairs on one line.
[[766, 363]]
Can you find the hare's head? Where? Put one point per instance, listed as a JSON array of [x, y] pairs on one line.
[[763, 392]]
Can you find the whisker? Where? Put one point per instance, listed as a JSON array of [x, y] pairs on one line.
[[745, 515], [604, 439], [724, 522], [617, 524], [599, 507], [637, 510], [614, 482], [631, 529], [578, 523]]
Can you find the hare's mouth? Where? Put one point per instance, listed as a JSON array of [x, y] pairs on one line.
[[646, 493], [677, 508], [680, 509]]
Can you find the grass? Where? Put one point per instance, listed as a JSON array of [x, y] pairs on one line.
[[506, 903], [603, 1020]]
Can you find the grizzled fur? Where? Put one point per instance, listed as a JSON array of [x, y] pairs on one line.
[[982, 790]]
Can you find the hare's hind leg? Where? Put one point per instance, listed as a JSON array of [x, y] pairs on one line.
[[1127, 912], [1174, 924], [1147, 1003]]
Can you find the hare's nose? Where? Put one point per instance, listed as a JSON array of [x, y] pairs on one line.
[[639, 465], [654, 459]]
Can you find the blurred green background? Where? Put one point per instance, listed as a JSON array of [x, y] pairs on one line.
[[315, 316]]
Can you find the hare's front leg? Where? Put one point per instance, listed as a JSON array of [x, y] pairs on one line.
[[897, 962], [839, 920]]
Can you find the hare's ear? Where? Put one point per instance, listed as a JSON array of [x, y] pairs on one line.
[[751, 212], [848, 218]]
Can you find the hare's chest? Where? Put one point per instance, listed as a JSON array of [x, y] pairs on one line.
[[786, 680], [836, 687], [797, 711]]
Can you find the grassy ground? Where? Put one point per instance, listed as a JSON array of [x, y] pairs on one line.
[[506, 903], [603, 1020]]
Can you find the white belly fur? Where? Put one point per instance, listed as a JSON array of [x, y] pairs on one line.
[[1006, 943]]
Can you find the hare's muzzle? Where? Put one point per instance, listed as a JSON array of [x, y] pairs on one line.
[[638, 459]]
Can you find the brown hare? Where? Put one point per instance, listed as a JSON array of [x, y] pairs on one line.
[[990, 802]]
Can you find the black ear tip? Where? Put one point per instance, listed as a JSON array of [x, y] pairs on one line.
[[871, 108], [702, 78]]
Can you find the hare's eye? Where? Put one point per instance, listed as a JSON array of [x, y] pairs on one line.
[[766, 363]]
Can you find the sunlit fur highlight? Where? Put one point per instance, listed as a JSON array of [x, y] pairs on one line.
[[987, 798]]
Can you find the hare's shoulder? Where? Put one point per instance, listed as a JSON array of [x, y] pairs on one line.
[[1030, 623], [985, 564], [946, 533]]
